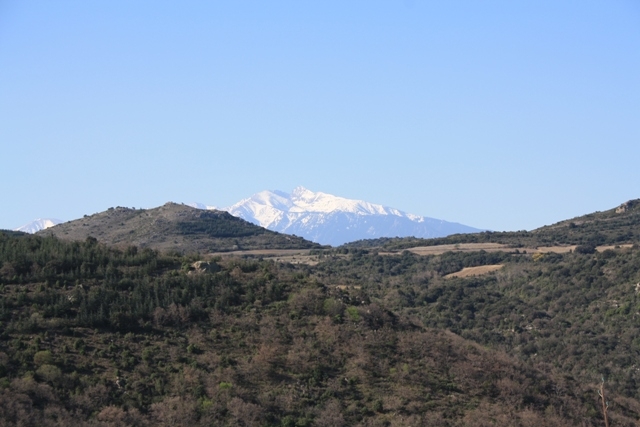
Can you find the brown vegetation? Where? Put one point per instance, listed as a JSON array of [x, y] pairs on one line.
[[175, 227], [475, 271]]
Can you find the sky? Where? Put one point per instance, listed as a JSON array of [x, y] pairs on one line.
[[502, 115]]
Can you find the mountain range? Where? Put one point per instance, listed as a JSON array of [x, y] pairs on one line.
[[320, 217], [333, 220]]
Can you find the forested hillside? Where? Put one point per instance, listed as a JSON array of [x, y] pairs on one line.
[[573, 315], [97, 335], [100, 336]]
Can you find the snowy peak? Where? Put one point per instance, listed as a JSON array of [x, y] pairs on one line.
[[38, 224], [329, 219], [201, 206], [307, 201], [274, 199], [265, 208]]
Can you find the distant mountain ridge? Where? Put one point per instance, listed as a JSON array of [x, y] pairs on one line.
[[333, 220]]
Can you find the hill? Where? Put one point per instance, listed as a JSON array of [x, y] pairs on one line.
[[617, 226], [97, 336], [175, 227], [468, 334]]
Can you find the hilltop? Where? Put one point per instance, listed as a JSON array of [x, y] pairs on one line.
[[616, 226], [175, 227]]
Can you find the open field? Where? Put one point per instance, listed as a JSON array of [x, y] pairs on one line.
[[303, 256], [494, 247], [475, 271]]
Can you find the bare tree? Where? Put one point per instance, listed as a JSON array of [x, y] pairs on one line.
[[605, 404]]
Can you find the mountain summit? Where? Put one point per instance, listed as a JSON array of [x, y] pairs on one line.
[[333, 220]]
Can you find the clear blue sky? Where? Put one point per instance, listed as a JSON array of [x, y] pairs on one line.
[[505, 115]]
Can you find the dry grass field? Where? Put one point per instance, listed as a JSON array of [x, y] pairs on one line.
[[494, 247], [302, 256], [475, 271], [612, 247]]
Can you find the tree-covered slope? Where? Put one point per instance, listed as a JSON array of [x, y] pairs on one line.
[[572, 315], [100, 336]]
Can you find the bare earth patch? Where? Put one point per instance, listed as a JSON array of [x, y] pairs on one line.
[[475, 271]]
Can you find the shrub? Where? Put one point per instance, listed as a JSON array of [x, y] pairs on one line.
[[353, 314], [49, 373], [43, 358], [585, 249]]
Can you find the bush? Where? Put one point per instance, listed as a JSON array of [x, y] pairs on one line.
[[43, 358], [353, 314], [49, 373], [585, 249]]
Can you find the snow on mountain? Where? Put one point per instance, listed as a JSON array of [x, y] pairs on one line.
[[334, 220], [201, 206], [38, 224]]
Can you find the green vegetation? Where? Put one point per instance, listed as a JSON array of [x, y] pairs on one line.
[[209, 224], [95, 335]]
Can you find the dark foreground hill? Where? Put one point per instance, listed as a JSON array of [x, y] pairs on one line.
[[97, 336], [175, 227], [572, 315]]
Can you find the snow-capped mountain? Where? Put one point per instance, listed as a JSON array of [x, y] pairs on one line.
[[201, 206], [334, 220], [38, 224]]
